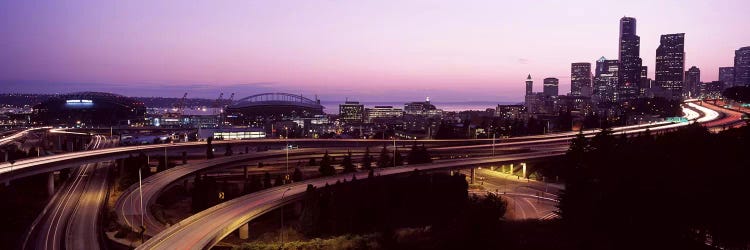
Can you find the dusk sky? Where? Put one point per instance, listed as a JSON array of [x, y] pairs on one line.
[[363, 50]]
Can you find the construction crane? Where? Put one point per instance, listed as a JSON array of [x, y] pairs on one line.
[[176, 112], [216, 107], [222, 116], [229, 101], [181, 104], [217, 103]]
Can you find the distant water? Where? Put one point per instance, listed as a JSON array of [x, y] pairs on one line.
[[333, 107]]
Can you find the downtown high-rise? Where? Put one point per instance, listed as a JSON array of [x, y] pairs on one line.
[[629, 75], [692, 82], [580, 78], [726, 75], [742, 66], [605, 80], [529, 85], [551, 86], [670, 64]]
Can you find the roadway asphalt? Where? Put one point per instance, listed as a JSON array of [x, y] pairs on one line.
[[533, 140], [527, 199], [70, 220], [128, 205], [208, 227], [38, 165]]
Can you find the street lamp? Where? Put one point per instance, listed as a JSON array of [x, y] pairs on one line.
[[493, 143], [281, 232], [286, 138]]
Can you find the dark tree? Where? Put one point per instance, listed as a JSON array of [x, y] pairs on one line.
[[228, 150], [326, 167], [398, 158], [267, 180], [278, 181], [297, 175], [385, 159], [209, 148], [418, 155], [347, 163], [312, 162], [367, 159]]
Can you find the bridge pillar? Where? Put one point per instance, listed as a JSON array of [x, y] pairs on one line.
[[511, 169], [245, 170], [473, 174], [244, 231], [51, 183], [523, 165]]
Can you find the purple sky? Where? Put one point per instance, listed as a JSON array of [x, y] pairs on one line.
[[364, 50]]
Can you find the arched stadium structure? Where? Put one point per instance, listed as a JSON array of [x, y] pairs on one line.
[[89, 109], [275, 105]]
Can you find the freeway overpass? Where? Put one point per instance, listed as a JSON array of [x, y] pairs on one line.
[[205, 229], [46, 164]]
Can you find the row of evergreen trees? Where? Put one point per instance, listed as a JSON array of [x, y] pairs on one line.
[[681, 190], [417, 155]]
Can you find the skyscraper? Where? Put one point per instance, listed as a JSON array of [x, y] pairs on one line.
[[580, 77], [605, 79], [600, 66], [670, 64], [742, 66], [529, 85], [726, 75], [551, 86], [630, 61], [351, 112], [645, 82], [692, 82]]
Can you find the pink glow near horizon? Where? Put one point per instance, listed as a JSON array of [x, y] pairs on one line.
[[451, 50]]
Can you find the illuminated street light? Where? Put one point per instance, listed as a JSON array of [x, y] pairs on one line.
[[281, 232]]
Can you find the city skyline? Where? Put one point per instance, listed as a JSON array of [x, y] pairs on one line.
[[135, 49]]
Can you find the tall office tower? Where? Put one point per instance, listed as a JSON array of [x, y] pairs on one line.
[[600, 66], [726, 75], [605, 80], [529, 85], [670, 64], [692, 82], [551, 86], [351, 112], [630, 60], [742, 66], [580, 77], [644, 83]]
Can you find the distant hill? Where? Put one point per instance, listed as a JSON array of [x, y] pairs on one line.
[[152, 102]]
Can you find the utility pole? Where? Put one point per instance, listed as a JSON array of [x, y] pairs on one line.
[[493, 144], [140, 190], [286, 138], [394, 151], [281, 233]]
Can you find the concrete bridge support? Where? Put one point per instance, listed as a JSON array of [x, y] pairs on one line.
[[511, 169], [244, 231], [51, 183], [473, 174]]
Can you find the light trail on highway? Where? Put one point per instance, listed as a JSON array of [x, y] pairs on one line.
[[206, 228], [210, 226], [70, 220]]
